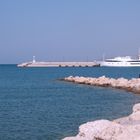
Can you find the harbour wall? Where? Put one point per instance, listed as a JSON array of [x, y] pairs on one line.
[[59, 64]]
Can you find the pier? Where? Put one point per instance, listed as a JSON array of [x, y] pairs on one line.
[[58, 64], [35, 63]]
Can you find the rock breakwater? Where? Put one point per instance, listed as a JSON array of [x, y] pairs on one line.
[[127, 128], [132, 85]]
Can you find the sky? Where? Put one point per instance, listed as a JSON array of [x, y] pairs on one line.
[[68, 30]]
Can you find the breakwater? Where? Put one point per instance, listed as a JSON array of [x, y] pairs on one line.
[[58, 64], [126, 128], [132, 85]]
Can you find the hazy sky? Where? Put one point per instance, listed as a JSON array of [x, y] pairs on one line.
[[68, 29]]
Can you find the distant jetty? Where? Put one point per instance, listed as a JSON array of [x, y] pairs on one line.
[[132, 85], [35, 63], [59, 64]]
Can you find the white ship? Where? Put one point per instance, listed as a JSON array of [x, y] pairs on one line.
[[126, 61]]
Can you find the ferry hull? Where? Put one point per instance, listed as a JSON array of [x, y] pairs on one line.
[[120, 64]]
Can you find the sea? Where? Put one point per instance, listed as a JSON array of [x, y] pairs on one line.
[[36, 105]]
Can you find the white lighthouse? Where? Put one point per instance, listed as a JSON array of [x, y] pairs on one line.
[[34, 59]]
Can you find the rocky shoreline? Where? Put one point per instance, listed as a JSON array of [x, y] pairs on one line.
[[132, 85], [126, 128]]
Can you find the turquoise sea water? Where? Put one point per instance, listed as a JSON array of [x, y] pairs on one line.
[[35, 105]]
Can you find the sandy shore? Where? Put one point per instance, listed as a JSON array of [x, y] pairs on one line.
[[126, 128]]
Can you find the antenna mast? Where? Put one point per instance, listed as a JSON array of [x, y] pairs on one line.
[[139, 54], [103, 57]]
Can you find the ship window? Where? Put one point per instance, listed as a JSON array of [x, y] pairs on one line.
[[135, 63], [112, 61]]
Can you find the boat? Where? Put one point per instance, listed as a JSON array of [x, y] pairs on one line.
[[126, 61]]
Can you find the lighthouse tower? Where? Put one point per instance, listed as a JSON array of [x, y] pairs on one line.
[[34, 59]]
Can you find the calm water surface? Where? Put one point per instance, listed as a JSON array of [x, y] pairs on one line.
[[34, 105]]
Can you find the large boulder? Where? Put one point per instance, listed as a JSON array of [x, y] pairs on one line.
[[127, 128]]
